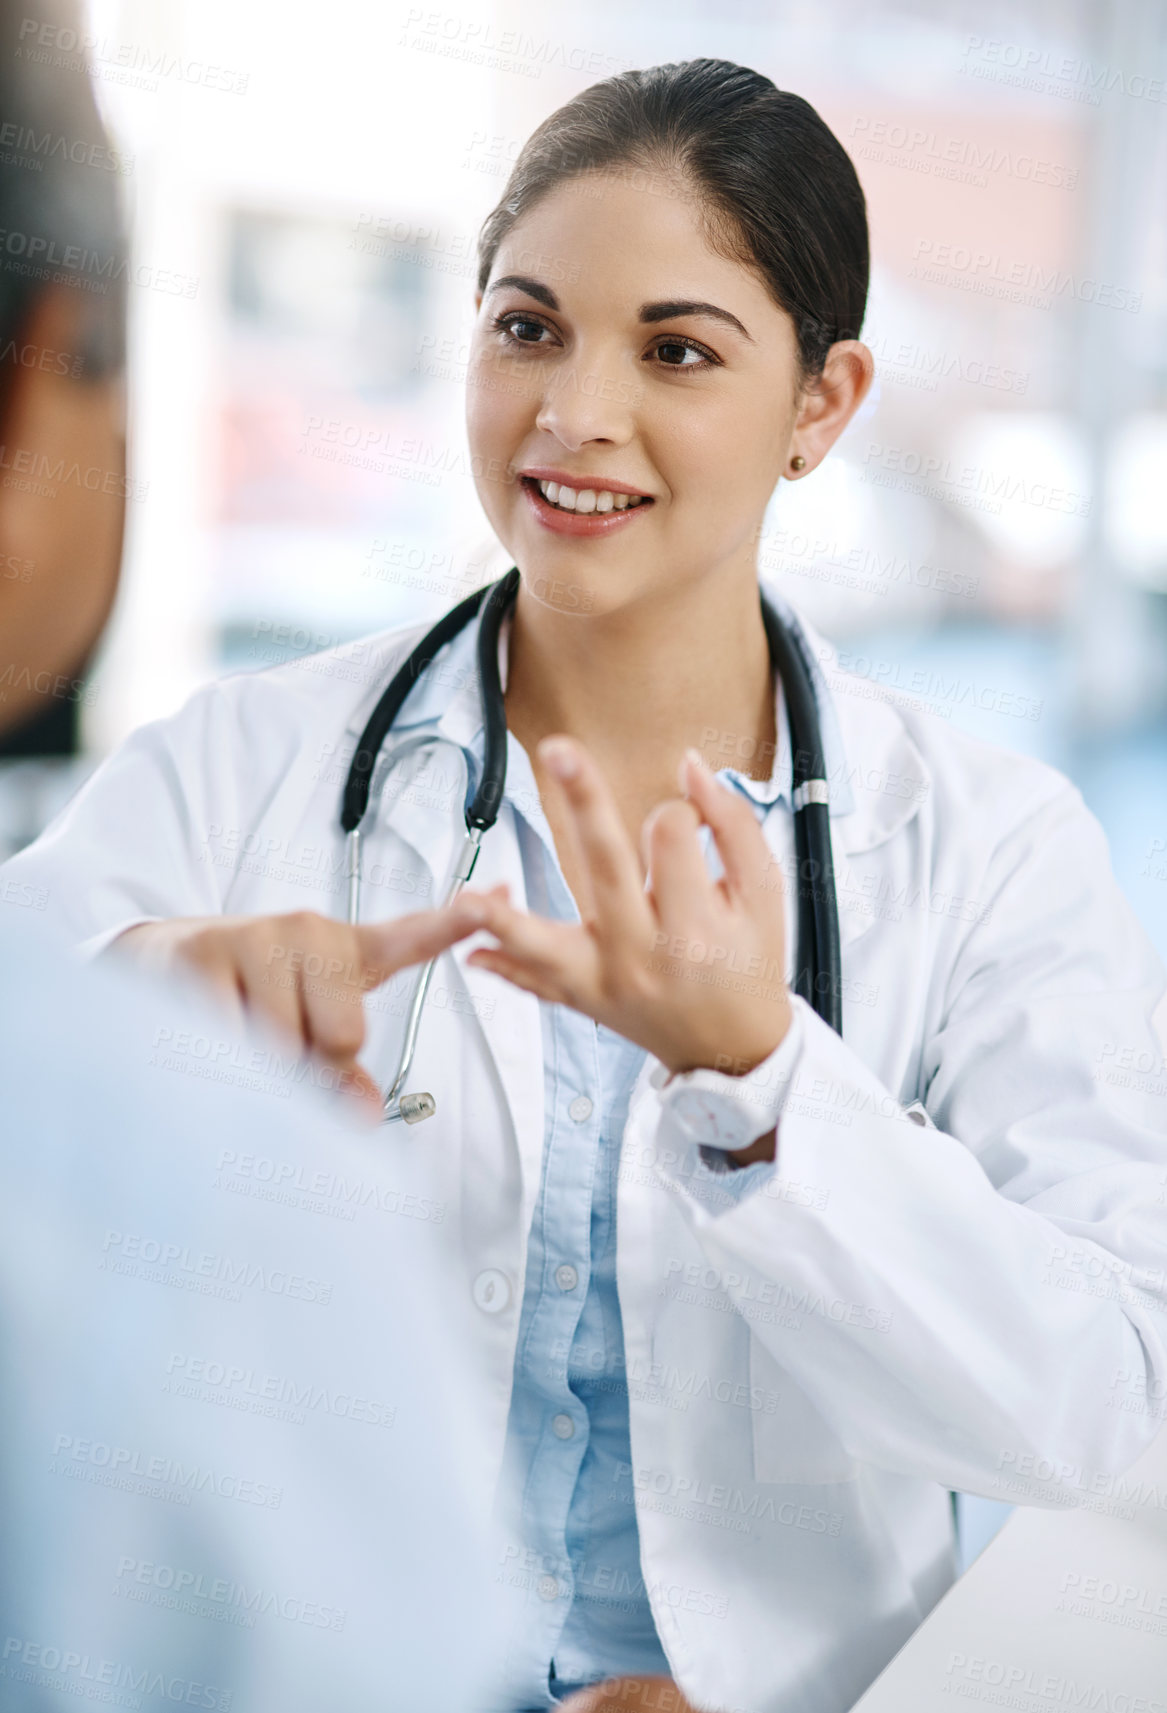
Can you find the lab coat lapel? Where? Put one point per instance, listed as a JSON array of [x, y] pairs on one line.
[[879, 768]]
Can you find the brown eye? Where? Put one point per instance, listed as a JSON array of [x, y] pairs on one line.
[[508, 324], [707, 360]]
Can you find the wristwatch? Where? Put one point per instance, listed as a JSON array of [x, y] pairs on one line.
[[724, 1112]]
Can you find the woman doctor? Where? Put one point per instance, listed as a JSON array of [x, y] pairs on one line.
[[751, 1297]]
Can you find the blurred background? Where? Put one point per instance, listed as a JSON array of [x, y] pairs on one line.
[[306, 184]]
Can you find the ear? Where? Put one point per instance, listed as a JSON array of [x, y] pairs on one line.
[[831, 399], [477, 301]]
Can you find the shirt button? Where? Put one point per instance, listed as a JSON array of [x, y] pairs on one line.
[[580, 1108], [566, 1277], [492, 1291], [562, 1426], [548, 1588]]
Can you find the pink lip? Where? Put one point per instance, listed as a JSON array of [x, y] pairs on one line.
[[570, 523]]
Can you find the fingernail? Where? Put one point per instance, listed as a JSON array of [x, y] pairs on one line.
[[690, 755], [558, 759]]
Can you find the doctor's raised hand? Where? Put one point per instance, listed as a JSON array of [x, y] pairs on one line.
[[651, 962]]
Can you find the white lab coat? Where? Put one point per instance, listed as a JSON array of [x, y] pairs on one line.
[[900, 1310]]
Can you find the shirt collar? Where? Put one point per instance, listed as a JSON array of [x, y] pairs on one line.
[[447, 697]]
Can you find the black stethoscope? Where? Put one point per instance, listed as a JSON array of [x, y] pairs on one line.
[[817, 977]]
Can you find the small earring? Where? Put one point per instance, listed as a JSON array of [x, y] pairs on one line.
[[798, 462]]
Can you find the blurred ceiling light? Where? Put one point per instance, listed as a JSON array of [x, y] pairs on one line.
[[1024, 480], [1136, 482]]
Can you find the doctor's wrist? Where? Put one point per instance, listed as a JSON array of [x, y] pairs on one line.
[[742, 1061], [732, 1114], [765, 1148]]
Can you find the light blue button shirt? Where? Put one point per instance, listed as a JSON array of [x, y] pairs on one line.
[[567, 1440], [568, 1451]]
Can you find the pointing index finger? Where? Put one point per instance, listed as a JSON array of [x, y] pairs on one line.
[[386, 947]]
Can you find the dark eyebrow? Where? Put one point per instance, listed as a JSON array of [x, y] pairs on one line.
[[649, 312]]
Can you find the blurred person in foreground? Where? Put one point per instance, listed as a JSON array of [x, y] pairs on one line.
[[229, 1478]]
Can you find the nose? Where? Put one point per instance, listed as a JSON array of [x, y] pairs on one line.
[[587, 401]]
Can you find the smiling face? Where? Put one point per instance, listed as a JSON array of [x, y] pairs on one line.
[[614, 350]]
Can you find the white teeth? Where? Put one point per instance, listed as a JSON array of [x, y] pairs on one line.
[[587, 499]]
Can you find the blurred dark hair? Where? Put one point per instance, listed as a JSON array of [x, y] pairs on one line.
[[776, 190], [52, 201]]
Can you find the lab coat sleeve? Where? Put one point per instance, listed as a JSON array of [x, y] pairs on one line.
[[983, 1303], [704, 1104], [146, 836]]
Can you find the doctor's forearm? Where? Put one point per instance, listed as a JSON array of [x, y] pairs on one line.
[[922, 1310]]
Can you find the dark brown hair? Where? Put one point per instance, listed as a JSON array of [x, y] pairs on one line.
[[776, 190], [52, 203]]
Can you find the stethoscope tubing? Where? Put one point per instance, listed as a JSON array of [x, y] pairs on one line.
[[817, 963]]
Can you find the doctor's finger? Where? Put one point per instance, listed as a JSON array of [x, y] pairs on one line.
[[618, 906], [681, 887], [532, 979], [386, 947], [332, 1006], [267, 986], [741, 844], [558, 954], [219, 975], [194, 946]]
